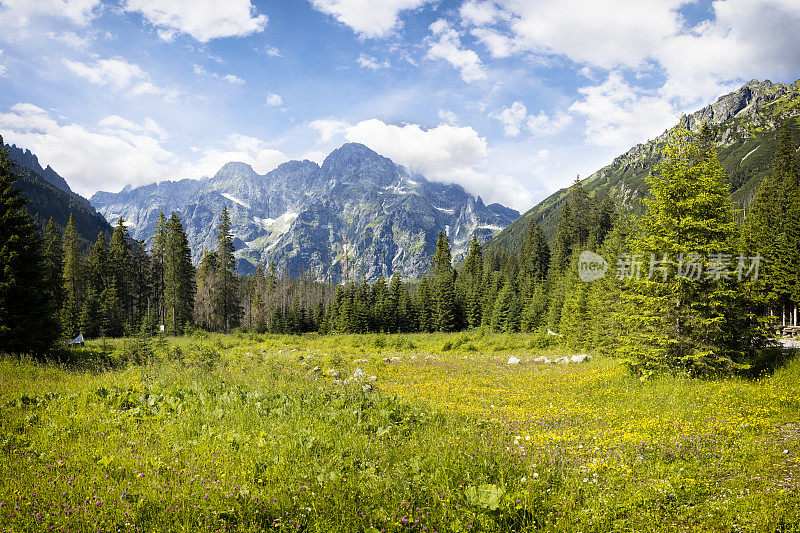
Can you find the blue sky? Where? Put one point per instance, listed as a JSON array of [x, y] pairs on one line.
[[510, 98]]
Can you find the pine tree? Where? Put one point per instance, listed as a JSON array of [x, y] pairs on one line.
[[673, 321], [52, 266], [120, 264], [96, 269], [471, 284], [73, 277], [444, 288], [226, 302], [204, 314], [178, 272], [158, 257], [27, 321]]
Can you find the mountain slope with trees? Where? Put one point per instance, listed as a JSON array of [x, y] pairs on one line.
[[745, 126], [49, 197]]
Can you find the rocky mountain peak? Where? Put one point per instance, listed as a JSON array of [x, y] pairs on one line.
[[300, 214]]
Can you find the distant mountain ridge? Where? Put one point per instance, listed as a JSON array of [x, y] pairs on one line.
[[50, 196], [301, 214], [745, 124]]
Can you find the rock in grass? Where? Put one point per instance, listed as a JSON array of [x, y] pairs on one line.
[[316, 370], [580, 358], [543, 360], [334, 373], [563, 360], [513, 360], [358, 373]]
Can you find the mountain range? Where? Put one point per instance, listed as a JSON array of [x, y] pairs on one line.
[[304, 216], [745, 124]]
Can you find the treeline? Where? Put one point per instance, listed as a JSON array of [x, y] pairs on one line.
[[691, 283]]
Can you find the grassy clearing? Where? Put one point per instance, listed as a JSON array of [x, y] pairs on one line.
[[222, 433]]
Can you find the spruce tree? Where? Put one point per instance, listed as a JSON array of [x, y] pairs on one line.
[[27, 321], [672, 320], [74, 281], [178, 272], [158, 257], [52, 266], [444, 288], [120, 265], [226, 301]]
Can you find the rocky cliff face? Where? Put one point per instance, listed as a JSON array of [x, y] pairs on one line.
[[745, 125], [302, 214]]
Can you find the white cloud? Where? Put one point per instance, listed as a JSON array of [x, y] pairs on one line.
[[516, 117], [121, 152], [328, 129], [606, 33], [448, 116], [120, 76], [619, 115], [447, 154], [272, 51], [446, 44], [237, 147], [513, 118], [116, 123], [368, 18], [72, 39], [3, 70], [544, 124], [480, 13], [21, 13], [274, 100], [746, 39], [230, 78], [699, 63], [202, 19], [371, 63]]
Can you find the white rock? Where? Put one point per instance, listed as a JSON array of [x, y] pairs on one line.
[[580, 358], [543, 360], [316, 370], [563, 360], [334, 373], [413, 357], [513, 360], [358, 373]]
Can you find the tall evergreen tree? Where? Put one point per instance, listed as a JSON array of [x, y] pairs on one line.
[[120, 265], [443, 283], [226, 301], [74, 281], [179, 282], [27, 321], [158, 257], [672, 320]]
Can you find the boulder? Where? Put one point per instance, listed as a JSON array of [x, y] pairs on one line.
[[334, 373], [563, 360], [513, 360], [358, 373], [543, 360], [580, 358]]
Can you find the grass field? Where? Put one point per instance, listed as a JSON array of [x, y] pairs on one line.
[[246, 433]]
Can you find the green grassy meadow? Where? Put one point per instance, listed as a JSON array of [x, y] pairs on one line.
[[250, 433]]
